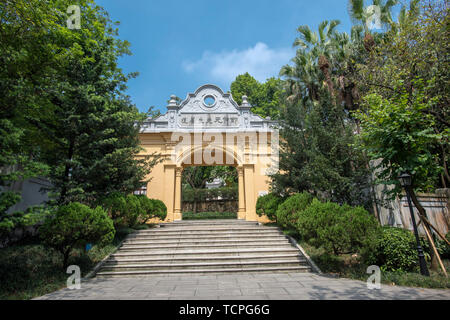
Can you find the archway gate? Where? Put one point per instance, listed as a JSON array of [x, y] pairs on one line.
[[210, 128]]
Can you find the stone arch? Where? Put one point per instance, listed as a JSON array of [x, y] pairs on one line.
[[227, 152]]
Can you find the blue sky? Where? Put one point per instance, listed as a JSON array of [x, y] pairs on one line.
[[179, 45]]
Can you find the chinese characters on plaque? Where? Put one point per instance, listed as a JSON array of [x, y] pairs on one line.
[[209, 120]]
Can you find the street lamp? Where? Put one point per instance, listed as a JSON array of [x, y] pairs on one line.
[[405, 181]]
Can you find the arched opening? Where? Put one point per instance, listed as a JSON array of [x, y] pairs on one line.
[[209, 184], [209, 192]]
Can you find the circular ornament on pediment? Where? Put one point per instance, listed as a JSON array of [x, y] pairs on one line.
[[209, 101]]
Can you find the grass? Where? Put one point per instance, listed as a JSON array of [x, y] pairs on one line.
[[28, 269], [209, 215]]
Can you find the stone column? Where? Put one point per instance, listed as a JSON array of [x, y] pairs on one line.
[[177, 205], [169, 188], [250, 203], [241, 212]]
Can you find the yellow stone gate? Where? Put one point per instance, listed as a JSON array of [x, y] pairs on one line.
[[210, 128]]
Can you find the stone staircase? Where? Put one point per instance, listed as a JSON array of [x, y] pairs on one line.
[[205, 247]]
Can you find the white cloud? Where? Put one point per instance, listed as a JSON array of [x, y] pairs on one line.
[[260, 61]]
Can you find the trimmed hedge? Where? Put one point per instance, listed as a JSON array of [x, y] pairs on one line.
[[127, 211], [338, 229], [198, 195], [268, 205], [151, 208], [209, 215], [287, 212]]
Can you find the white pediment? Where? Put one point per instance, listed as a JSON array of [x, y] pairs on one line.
[[208, 108]]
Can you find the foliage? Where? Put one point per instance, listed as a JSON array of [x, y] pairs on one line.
[[351, 267], [197, 176], [397, 131], [265, 98], [11, 221], [63, 108], [268, 205], [209, 215], [130, 210], [123, 210], [395, 250], [316, 154], [197, 195], [29, 269], [75, 225], [288, 211], [338, 229], [151, 208], [404, 86]]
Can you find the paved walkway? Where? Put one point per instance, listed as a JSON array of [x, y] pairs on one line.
[[256, 286]]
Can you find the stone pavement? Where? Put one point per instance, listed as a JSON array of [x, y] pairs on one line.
[[239, 286]]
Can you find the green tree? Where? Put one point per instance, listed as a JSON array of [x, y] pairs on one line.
[[265, 98], [74, 225], [64, 104], [316, 153]]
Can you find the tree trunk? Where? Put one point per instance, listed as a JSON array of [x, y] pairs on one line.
[[422, 212]]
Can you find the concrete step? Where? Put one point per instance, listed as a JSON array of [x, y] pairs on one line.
[[204, 237], [187, 252], [203, 258], [205, 247], [202, 241], [231, 233], [227, 222], [204, 271], [202, 265], [207, 228], [266, 244]]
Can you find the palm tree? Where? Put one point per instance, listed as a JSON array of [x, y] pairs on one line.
[[361, 15], [315, 50]]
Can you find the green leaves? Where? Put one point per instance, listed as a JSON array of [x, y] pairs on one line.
[[398, 132], [74, 225]]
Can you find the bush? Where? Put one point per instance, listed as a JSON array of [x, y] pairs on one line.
[[288, 211], [209, 215], [338, 229], [441, 246], [268, 205], [124, 210], [395, 250], [198, 195], [323, 225], [159, 209], [75, 225], [151, 208]]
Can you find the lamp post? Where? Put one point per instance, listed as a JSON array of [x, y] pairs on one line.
[[405, 181]]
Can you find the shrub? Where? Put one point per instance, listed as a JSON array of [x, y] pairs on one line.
[[151, 208], [209, 215], [288, 211], [395, 250], [198, 195], [75, 225], [159, 209], [338, 229], [268, 205], [323, 225], [441, 246], [124, 210]]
